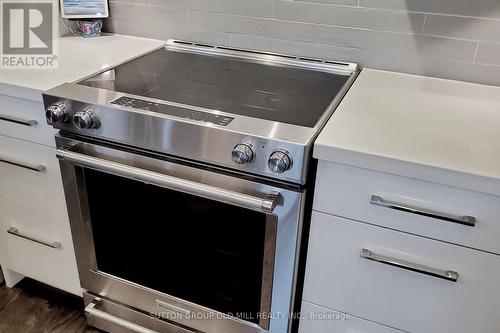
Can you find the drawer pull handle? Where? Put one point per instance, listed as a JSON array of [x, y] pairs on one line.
[[17, 120], [463, 220], [37, 168], [15, 232], [442, 274]]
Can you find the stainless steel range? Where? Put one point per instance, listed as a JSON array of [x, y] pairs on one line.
[[186, 178]]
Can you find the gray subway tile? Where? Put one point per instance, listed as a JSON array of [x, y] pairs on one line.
[[146, 30], [169, 3], [244, 7], [477, 8], [488, 54], [248, 7], [195, 35], [301, 49], [437, 67], [335, 2], [252, 26], [349, 16], [110, 26], [139, 2], [343, 36], [384, 34], [138, 14], [424, 45], [463, 27], [161, 23]]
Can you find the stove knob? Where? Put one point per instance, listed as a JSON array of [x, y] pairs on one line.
[[242, 154], [279, 161], [85, 119], [55, 113]]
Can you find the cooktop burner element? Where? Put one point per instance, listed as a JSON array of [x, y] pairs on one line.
[[251, 112], [274, 92]]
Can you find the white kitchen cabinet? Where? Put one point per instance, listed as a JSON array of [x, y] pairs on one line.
[[40, 250], [402, 161], [339, 278], [30, 181], [33, 211], [24, 119], [318, 319], [34, 201], [347, 191]]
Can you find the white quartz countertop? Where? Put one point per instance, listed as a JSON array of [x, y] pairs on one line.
[[438, 130], [78, 58]]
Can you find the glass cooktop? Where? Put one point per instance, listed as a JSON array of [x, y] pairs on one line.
[[242, 87]]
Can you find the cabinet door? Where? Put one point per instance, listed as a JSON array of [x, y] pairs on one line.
[[30, 182], [337, 277], [39, 250]]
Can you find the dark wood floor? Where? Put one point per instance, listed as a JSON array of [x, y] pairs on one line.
[[32, 307]]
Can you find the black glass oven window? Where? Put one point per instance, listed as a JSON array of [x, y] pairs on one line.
[[202, 251], [262, 90]]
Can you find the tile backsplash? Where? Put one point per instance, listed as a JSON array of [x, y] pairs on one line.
[[458, 39]]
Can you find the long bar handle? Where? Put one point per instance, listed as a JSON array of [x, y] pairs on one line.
[[267, 204], [33, 167], [442, 274], [91, 310], [15, 232], [464, 220], [20, 121]]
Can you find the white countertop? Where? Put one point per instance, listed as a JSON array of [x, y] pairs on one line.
[[439, 130], [78, 58]]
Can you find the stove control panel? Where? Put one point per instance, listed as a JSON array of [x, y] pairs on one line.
[[172, 110], [279, 161]]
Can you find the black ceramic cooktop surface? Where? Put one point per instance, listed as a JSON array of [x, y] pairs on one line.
[[242, 87]]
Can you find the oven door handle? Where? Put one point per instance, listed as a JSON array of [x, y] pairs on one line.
[[266, 205]]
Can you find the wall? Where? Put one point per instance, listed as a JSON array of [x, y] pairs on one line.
[[457, 39]]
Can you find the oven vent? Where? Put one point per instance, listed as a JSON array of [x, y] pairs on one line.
[[181, 42], [312, 60], [334, 63], [299, 58], [204, 45], [257, 52]]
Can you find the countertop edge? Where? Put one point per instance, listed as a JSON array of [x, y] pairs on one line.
[[385, 164], [20, 92], [35, 93], [161, 43]]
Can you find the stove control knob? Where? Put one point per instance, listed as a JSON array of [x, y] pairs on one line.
[[242, 154], [85, 119], [279, 161], [55, 113]]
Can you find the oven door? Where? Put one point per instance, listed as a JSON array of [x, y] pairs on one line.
[[202, 249]]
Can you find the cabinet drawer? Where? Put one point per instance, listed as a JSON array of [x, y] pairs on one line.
[[24, 189], [317, 319], [347, 191], [24, 119], [40, 251], [337, 277]]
